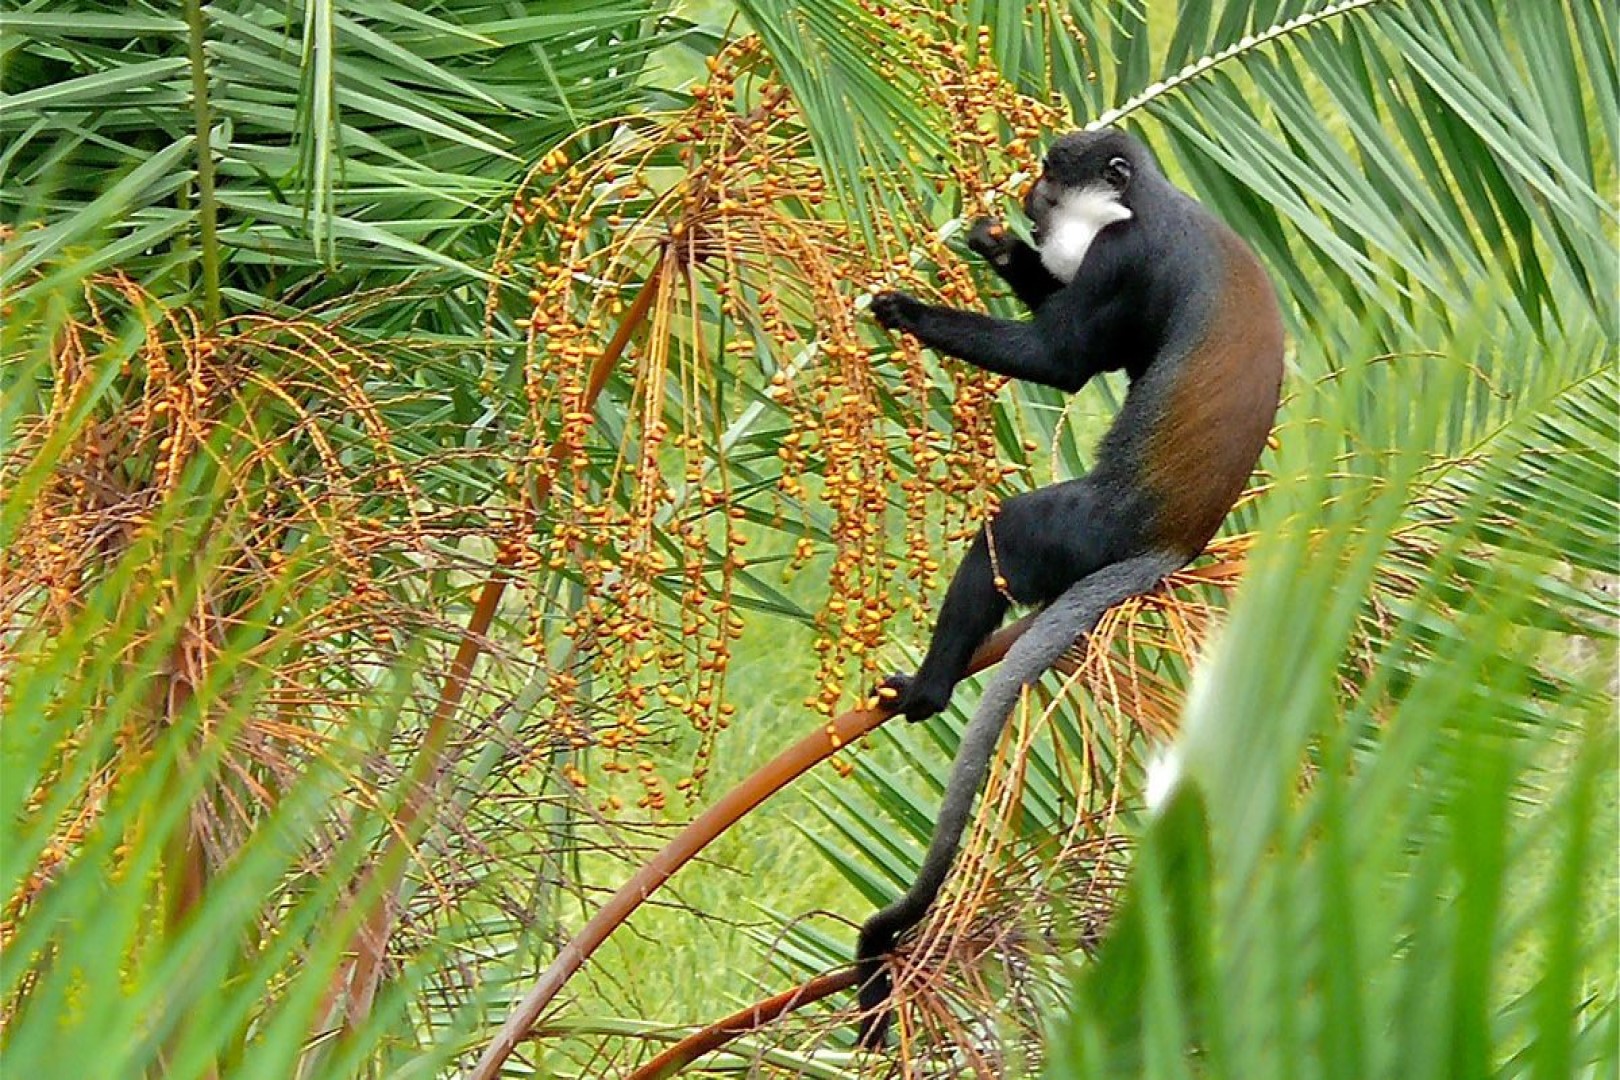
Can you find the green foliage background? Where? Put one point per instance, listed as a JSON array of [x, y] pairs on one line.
[[1392, 848]]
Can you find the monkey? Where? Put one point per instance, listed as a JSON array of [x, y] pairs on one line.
[[1126, 273]]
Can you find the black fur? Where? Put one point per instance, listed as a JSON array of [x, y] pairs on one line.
[[1018, 264], [1144, 300], [1054, 631], [1140, 300]]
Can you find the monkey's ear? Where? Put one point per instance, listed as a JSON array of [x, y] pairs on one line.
[[1117, 173]]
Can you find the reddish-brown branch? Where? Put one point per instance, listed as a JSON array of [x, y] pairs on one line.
[[355, 984], [756, 1016], [769, 779]]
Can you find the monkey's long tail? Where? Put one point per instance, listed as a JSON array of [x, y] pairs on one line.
[[1073, 614]]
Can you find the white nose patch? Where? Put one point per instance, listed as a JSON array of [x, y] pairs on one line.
[[1075, 222]]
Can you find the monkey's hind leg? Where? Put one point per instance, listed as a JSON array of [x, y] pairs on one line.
[[1071, 615], [973, 608]]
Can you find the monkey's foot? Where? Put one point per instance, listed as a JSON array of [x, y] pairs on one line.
[[905, 694]]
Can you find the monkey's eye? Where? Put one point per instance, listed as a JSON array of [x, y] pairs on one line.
[[1117, 172]]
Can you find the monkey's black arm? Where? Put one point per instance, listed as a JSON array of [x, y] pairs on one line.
[[1053, 352], [1030, 280], [1071, 615], [1003, 346], [1015, 262]]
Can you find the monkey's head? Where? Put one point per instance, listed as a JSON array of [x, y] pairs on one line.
[[1087, 184]]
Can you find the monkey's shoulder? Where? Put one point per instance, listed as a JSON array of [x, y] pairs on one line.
[[1167, 260]]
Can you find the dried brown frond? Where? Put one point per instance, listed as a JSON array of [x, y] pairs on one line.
[[278, 414]]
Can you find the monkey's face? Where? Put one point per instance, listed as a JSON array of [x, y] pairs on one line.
[[1084, 188]]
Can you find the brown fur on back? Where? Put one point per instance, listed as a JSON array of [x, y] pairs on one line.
[[1220, 412]]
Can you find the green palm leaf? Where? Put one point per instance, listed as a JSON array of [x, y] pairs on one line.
[[379, 135]]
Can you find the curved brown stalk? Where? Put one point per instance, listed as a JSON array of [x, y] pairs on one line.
[[739, 1023], [767, 781], [355, 984]]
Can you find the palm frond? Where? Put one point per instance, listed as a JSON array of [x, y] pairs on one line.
[[1357, 857], [358, 138]]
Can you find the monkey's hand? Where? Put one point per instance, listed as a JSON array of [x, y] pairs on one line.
[[896, 310], [991, 238], [904, 694]]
